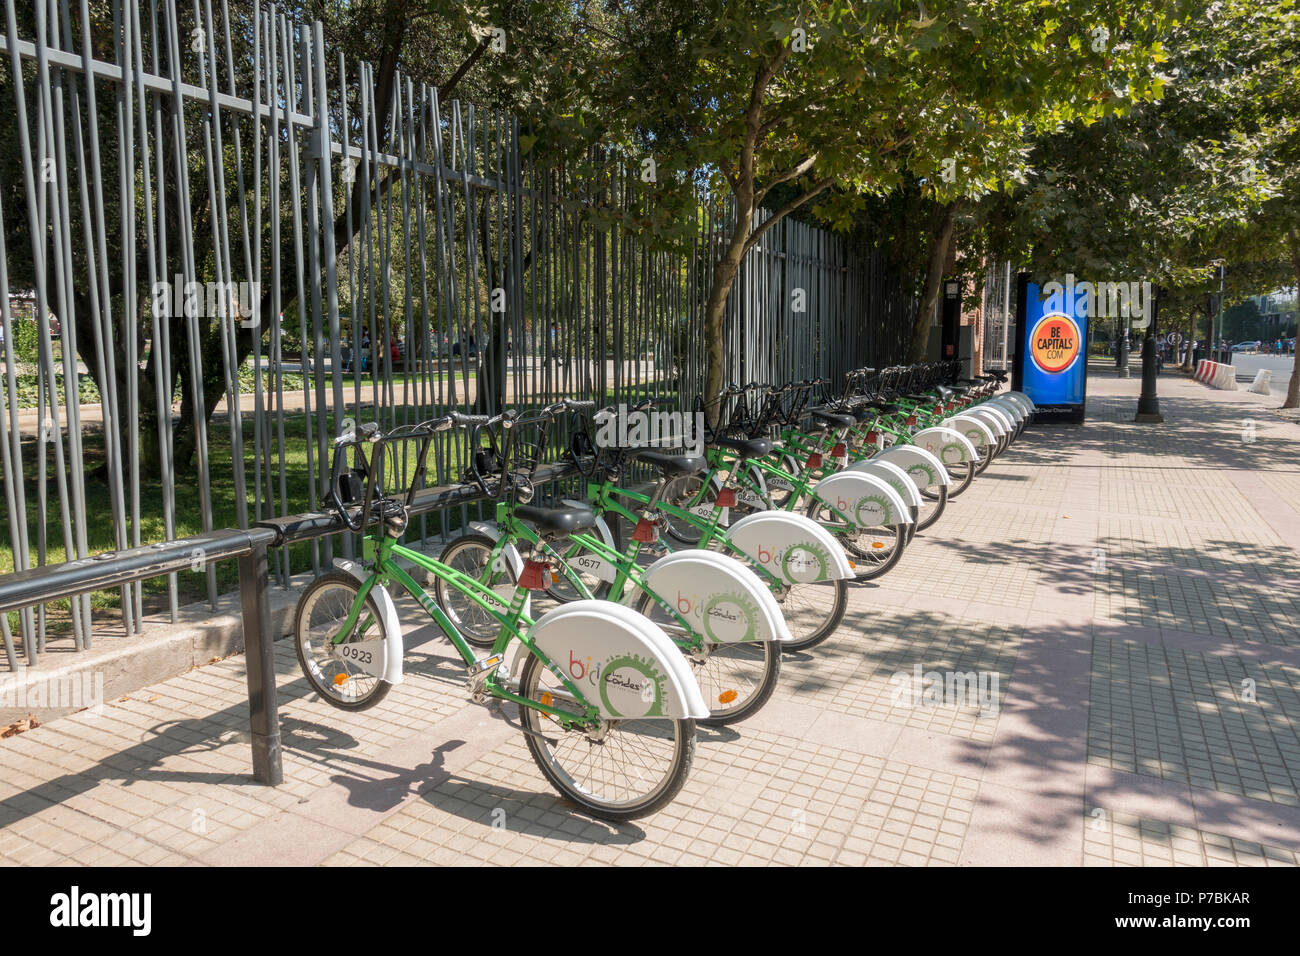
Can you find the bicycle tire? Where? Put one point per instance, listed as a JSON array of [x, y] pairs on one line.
[[329, 687], [545, 753]]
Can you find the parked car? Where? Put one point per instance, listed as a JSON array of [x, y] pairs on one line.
[[1246, 347]]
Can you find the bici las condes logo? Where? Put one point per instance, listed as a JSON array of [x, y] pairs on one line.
[[1055, 343]]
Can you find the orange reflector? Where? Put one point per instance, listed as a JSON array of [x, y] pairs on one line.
[[547, 699], [852, 565], [726, 697], [340, 679], [877, 544]]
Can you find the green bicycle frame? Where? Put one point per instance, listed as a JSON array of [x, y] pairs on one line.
[[604, 496], [628, 571], [380, 553]]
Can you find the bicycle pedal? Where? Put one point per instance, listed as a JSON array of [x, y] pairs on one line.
[[484, 665]]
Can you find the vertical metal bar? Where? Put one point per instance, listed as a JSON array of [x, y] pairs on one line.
[[259, 663]]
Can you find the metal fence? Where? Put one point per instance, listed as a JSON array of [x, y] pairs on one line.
[[229, 247], [999, 315]]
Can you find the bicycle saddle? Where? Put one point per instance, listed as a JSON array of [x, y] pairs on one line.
[[748, 447], [671, 465], [834, 418], [885, 408], [557, 521]]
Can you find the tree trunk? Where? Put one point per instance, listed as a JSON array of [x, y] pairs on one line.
[[940, 238], [1293, 389], [724, 276]]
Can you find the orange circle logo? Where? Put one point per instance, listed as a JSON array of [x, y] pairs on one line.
[[1054, 344]]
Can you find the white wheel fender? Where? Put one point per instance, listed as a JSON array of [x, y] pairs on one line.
[[891, 473], [510, 553], [792, 546], [977, 431], [1025, 401], [391, 647], [951, 446], [921, 466], [624, 663], [1008, 406], [866, 500], [1013, 406], [720, 597], [998, 420]]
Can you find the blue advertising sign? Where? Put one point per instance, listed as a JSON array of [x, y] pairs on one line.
[[1051, 365]]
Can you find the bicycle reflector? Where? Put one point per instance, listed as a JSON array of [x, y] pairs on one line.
[[645, 531], [726, 498], [873, 437], [815, 460], [536, 576], [911, 419], [839, 451]]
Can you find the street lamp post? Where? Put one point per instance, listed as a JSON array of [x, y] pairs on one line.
[[1148, 409]]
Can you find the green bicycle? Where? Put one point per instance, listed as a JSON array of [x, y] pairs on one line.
[[726, 624], [606, 703]]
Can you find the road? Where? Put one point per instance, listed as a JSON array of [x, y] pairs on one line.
[[1248, 364]]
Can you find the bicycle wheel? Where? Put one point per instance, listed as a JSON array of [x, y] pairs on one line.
[[621, 770], [682, 492], [877, 548], [934, 498], [469, 554], [560, 588], [736, 679], [962, 474], [986, 453], [813, 611], [322, 611]]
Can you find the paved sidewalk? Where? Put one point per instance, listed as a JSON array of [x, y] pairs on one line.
[[1131, 587]]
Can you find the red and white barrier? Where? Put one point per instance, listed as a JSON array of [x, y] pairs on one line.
[[1217, 375]]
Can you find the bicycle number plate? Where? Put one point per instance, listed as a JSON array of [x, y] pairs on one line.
[[780, 484], [368, 656], [706, 511], [751, 499], [504, 594], [602, 569]]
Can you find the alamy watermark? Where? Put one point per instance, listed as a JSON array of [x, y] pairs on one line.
[[213, 300], [52, 691], [950, 689], [624, 428], [1100, 300]]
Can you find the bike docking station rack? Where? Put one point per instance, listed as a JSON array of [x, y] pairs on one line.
[[33, 586]]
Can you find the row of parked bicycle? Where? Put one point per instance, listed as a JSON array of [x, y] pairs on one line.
[[676, 596]]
